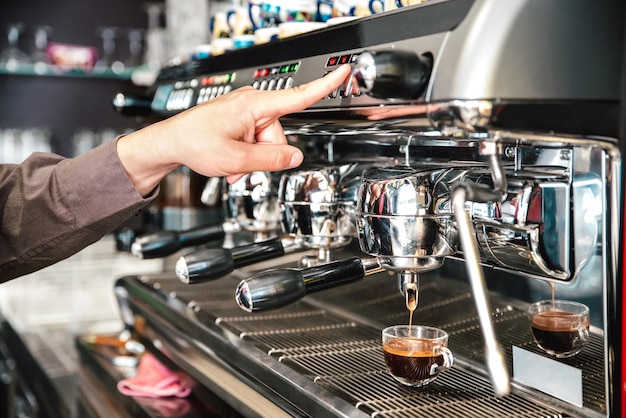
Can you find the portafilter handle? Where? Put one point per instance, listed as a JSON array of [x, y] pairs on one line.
[[212, 263], [276, 288], [163, 243]]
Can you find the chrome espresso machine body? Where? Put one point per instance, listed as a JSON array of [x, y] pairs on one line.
[[486, 136]]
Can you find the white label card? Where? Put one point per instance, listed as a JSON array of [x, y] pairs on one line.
[[549, 376]]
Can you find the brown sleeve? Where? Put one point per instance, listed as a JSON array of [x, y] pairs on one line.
[[52, 207]]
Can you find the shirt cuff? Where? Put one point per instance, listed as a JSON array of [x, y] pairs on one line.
[[98, 188]]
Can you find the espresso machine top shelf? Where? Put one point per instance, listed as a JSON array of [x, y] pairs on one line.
[[476, 64]]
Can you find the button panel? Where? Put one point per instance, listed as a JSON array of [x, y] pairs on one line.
[[183, 94], [277, 77], [179, 99], [341, 59], [215, 86], [349, 88]]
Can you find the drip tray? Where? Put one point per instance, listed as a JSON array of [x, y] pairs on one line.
[[332, 338]]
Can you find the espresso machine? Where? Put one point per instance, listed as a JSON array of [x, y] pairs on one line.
[[481, 171]]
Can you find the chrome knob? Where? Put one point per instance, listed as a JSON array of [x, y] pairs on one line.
[[392, 74]]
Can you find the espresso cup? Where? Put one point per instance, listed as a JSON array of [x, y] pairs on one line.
[[402, 3], [415, 355], [220, 46], [268, 13], [332, 9], [325, 10], [264, 14], [288, 29], [377, 6], [560, 327], [362, 8], [265, 35], [239, 22], [219, 26]]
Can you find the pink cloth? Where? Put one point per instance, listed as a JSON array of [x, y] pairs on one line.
[[153, 380]]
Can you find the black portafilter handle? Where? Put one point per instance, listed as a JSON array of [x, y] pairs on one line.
[[163, 243], [276, 288], [212, 263]]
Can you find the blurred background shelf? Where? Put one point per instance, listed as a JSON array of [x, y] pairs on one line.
[[46, 70]]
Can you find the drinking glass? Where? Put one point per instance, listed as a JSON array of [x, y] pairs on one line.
[[135, 46], [38, 56], [416, 354], [560, 327], [108, 59], [13, 57]]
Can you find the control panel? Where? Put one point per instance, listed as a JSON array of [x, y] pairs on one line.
[[403, 68]]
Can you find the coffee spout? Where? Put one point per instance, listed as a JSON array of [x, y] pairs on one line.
[[411, 288]]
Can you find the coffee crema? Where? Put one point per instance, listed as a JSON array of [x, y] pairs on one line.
[[413, 359], [558, 331]]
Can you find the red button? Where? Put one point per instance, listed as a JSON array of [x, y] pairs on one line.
[[332, 61], [344, 59]]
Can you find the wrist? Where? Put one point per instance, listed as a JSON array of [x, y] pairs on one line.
[[145, 164]]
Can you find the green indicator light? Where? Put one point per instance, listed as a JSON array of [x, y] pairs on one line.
[[284, 69], [293, 68]]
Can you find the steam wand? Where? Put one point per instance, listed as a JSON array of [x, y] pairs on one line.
[[462, 193]]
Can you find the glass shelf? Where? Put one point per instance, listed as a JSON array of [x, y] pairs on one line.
[[48, 70]]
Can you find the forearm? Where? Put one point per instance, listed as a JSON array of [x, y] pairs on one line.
[[54, 207]]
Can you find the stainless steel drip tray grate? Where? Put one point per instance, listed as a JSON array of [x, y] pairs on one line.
[[357, 374], [307, 322], [334, 341], [301, 342], [455, 393]]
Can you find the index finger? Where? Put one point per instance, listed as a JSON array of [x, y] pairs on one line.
[[300, 97]]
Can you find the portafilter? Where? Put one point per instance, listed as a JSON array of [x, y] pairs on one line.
[[405, 218], [317, 212], [250, 204], [405, 223], [317, 207]]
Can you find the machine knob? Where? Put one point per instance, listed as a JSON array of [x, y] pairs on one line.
[[164, 243], [392, 74]]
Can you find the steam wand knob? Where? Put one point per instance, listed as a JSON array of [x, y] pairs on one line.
[[392, 74]]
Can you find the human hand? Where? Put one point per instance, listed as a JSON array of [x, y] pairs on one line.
[[230, 136]]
